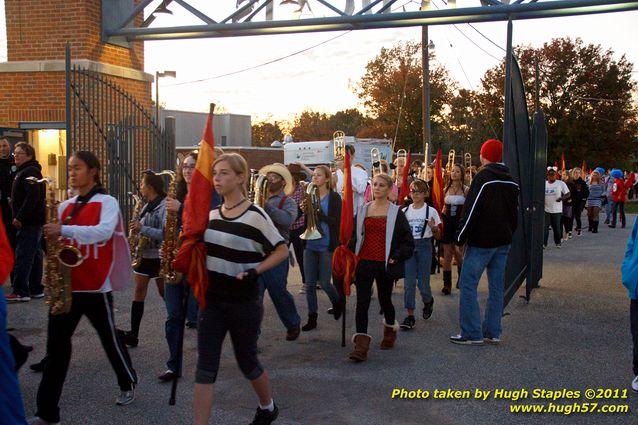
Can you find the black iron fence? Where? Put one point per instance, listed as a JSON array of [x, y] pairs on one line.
[[105, 119]]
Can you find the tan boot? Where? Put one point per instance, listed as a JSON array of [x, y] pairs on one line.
[[361, 346], [389, 335]]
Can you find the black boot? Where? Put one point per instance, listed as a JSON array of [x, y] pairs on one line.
[[336, 310], [312, 323], [595, 227], [447, 282], [591, 224]]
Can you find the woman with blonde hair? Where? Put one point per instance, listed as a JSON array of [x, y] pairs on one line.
[[241, 243], [455, 193], [594, 200]]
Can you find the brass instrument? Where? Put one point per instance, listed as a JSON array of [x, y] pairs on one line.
[[59, 258], [339, 145], [137, 241], [467, 164], [375, 156], [258, 191], [171, 243], [312, 203], [451, 156]]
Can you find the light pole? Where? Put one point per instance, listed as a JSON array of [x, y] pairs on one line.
[[158, 75], [426, 45]]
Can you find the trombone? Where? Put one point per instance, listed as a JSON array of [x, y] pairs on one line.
[[450, 160]]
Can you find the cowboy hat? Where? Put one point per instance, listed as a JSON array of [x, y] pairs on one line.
[[280, 169]]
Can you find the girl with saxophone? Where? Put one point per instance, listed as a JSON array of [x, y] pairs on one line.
[[150, 229], [317, 256], [92, 223], [241, 243]]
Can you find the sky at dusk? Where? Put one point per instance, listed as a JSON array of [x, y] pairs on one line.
[[321, 77]]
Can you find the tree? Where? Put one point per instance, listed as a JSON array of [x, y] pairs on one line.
[[585, 94], [264, 133], [391, 92], [312, 125], [350, 121]]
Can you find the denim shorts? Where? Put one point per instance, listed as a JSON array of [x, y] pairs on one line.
[[242, 321]]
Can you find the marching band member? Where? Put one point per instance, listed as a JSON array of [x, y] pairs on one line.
[[242, 243], [382, 239], [151, 226], [455, 193], [359, 179], [317, 256], [92, 223], [298, 173], [424, 222], [283, 212]]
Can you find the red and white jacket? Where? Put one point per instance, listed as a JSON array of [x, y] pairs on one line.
[[97, 230]]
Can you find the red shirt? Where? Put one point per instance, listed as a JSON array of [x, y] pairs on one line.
[[618, 193], [373, 248]]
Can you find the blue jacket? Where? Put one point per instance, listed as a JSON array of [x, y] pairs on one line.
[[629, 267]]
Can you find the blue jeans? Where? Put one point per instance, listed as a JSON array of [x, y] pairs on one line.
[[275, 281], [11, 408], [475, 261], [618, 207], [318, 268], [174, 300], [27, 272], [553, 219], [417, 267]]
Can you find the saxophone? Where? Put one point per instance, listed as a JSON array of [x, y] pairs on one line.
[[171, 244], [136, 241], [60, 258]]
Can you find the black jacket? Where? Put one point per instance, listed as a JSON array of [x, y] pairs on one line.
[[27, 199], [8, 171], [333, 219], [490, 212], [580, 194]]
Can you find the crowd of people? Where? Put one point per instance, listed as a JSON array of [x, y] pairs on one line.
[[248, 244]]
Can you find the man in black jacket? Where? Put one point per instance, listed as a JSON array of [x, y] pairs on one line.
[[7, 174], [28, 206], [488, 222]]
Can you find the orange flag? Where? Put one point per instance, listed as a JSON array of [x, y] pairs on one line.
[[344, 262], [562, 161], [191, 258], [437, 184]]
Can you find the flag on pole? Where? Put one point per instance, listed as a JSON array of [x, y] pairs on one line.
[[191, 258], [6, 253], [437, 184], [584, 170], [562, 162], [405, 186], [344, 262]]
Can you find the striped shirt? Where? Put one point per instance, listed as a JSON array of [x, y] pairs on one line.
[[234, 245], [596, 192]]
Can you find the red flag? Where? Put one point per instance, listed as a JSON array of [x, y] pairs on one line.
[[191, 258], [583, 168], [344, 262], [405, 187], [562, 162], [6, 253], [631, 180], [437, 184]]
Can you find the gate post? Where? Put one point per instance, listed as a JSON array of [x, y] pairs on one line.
[[169, 151]]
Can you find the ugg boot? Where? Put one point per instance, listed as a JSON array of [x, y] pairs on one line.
[[447, 282], [312, 323], [361, 347], [595, 227], [389, 335]]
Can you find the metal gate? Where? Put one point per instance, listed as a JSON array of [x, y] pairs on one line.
[[105, 119]]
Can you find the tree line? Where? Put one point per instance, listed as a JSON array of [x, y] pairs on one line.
[[588, 97]]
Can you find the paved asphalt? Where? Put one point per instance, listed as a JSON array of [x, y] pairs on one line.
[[573, 335]]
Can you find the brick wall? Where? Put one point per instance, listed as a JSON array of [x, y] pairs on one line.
[[39, 30]]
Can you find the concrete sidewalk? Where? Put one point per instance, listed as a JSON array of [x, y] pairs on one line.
[[573, 335]]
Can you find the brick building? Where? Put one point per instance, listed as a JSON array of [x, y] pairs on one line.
[[32, 81]]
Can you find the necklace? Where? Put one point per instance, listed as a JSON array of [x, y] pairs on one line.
[[236, 205]]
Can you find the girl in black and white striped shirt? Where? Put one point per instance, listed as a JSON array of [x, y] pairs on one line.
[[241, 243]]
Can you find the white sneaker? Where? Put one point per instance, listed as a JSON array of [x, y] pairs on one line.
[[39, 421], [125, 397], [634, 384]]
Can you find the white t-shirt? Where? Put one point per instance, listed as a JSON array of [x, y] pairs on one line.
[[416, 218], [553, 191], [359, 183]]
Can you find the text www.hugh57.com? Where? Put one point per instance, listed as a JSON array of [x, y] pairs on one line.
[[569, 409]]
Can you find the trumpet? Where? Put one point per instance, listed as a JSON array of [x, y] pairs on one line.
[[312, 203], [258, 191], [339, 145], [450, 161], [59, 258], [375, 155]]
